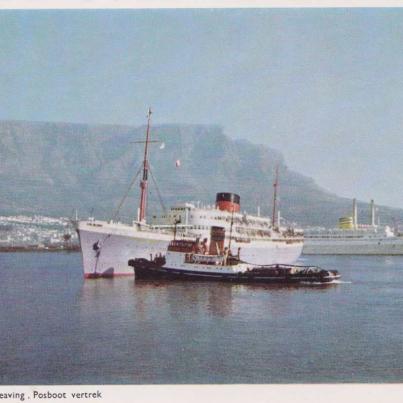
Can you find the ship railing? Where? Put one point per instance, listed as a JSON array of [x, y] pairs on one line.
[[169, 229], [204, 259], [306, 268], [171, 226]]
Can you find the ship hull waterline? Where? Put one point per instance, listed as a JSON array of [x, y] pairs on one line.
[[385, 247], [115, 249]]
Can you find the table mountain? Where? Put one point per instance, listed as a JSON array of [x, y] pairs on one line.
[[54, 168]]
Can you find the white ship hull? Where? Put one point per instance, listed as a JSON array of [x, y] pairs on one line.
[[117, 243], [116, 246], [364, 246], [269, 252]]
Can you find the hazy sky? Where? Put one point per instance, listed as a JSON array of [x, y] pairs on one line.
[[324, 86]]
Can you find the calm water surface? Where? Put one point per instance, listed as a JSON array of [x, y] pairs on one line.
[[56, 328]]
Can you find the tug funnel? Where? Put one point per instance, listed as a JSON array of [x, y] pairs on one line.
[[217, 237]]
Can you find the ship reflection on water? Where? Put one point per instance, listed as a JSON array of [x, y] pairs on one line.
[[195, 298], [122, 331], [197, 332], [143, 297]]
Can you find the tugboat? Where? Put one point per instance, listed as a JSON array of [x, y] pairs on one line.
[[193, 260]]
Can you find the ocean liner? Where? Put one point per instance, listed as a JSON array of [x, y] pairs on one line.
[[107, 246], [351, 238]]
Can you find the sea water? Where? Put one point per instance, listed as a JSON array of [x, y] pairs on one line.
[[57, 328]]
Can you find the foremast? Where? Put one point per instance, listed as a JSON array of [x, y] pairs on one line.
[[144, 180], [275, 186]]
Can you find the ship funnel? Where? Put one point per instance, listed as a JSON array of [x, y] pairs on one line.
[[228, 202], [346, 223], [355, 218], [372, 211], [217, 237]]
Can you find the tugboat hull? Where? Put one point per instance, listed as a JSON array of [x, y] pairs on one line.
[[276, 274]]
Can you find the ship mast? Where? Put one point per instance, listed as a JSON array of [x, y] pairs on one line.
[[230, 230], [143, 182], [275, 185]]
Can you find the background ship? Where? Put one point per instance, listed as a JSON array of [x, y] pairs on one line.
[[108, 245], [351, 238]]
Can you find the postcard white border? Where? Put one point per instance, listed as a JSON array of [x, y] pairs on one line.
[[290, 393]]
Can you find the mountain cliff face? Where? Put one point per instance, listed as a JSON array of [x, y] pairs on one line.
[[54, 168]]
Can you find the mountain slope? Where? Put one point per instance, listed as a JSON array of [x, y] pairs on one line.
[[54, 168]]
